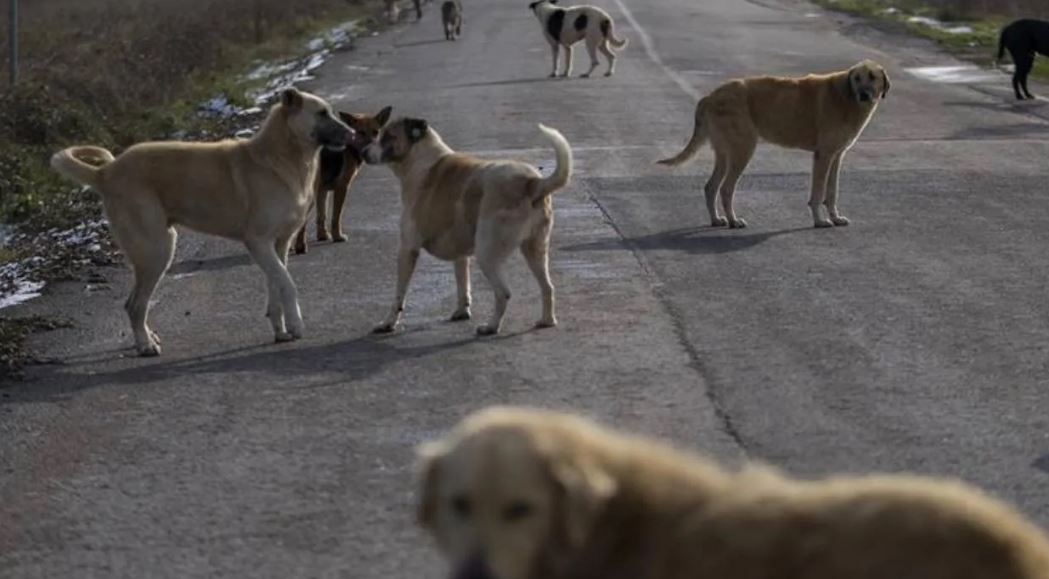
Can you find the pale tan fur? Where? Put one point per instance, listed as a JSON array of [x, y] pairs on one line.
[[528, 494], [455, 206], [256, 191], [819, 113]]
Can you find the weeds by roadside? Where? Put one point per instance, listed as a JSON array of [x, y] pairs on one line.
[[967, 28], [13, 334]]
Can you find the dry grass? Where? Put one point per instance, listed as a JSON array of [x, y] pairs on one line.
[[116, 72]]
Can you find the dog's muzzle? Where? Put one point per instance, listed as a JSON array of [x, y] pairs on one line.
[[865, 96], [473, 568], [335, 136]]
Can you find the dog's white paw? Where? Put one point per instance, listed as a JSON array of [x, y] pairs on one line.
[[460, 315], [840, 221], [282, 337], [151, 350], [737, 224], [339, 237], [487, 330], [551, 323], [823, 224], [718, 222], [323, 235]]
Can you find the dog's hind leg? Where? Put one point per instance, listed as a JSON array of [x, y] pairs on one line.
[[283, 304], [462, 284], [737, 162], [536, 251], [494, 245], [821, 165], [150, 258], [832, 192], [591, 49], [1023, 64], [322, 215], [407, 257], [712, 188], [1028, 66], [611, 56]]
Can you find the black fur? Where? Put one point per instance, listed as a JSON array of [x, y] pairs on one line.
[[1024, 39], [580, 22], [416, 129], [332, 164], [555, 23], [606, 25]]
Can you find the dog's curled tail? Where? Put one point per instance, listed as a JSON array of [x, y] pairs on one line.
[[70, 164], [699, 137], [610, 33], [563, 171]]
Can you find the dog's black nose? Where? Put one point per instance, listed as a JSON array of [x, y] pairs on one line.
[[473, 568]]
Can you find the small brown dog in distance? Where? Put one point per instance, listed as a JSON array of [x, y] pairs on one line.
[[337, 171], [824, 114], [525, 494]]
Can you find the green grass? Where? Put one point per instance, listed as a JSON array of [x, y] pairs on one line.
[[980, 46]]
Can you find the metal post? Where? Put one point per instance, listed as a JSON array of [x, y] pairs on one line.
[[14, 41]]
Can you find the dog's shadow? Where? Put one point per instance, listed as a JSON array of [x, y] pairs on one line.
[[704, 240], [507, 82], [422, 43], [351, 360]]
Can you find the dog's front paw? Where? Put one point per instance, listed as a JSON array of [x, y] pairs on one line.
[[823, 224], [150, 350], [487, 330], [551, 323], [283, 337], [384, 328], [737, 224], [300, 248], [323, 235], [552, 75], [339, 237], [585, 75], [609, 73], [840, 220], [718, 222], [460, 315]]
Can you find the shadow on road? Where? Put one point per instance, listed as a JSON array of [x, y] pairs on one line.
[[219, 263], [511, 81], [1002, 131], [420, 43], [692, 240], [352, 360]]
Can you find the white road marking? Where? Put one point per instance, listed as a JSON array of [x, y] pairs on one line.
[[650, 50]]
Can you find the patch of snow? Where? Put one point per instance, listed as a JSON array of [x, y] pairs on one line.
[[958, 74], [939, 25], [891, 10]]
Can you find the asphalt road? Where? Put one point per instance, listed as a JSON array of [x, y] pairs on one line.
[[914, 340]]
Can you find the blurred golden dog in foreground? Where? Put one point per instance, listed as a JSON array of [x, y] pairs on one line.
[[525, 494]]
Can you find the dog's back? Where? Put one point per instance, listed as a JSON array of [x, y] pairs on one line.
[[1025, 36]]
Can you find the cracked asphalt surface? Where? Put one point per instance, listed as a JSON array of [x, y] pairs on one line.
[[914, 340]]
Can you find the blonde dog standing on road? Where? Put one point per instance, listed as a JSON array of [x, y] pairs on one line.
[[523, 494], [455, 206], [824, 114], [567, 26], [256, 191]]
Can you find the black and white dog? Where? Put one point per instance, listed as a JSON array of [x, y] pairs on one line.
[[567, 26], [1024, 39]]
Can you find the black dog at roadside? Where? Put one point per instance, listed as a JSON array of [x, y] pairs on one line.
[[1024, 39]]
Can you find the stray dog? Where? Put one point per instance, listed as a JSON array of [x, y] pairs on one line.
[[256, 191], [520, 494], [337, 171], [824, 114], [452, 19], [566, 26], [1024, 39], [455, 206]]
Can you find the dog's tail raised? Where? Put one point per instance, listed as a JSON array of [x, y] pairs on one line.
[[563, 171], [609, 32], [699, 138], [70, 163]]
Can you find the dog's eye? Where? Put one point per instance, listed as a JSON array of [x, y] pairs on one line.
[[516, 511], [461, 506]]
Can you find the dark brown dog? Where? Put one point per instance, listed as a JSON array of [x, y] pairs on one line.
[[336, 173]]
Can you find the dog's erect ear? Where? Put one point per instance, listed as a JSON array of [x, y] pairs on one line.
[[430, 456], [415, 129], [291, 98], [384, 116], [887, 83], [585, 489]]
